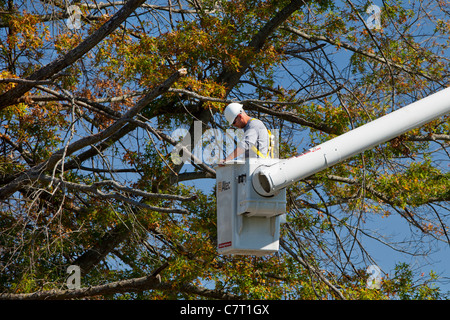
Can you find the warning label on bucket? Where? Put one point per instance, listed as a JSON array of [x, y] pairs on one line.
[[224, 244]]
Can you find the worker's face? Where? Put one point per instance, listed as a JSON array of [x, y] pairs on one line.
[[238, 123]]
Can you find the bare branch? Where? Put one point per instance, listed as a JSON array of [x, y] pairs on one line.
[[314, 38], [52, 161], [94, 189], [429, 137]]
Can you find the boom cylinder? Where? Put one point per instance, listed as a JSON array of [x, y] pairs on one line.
[[268, 180]]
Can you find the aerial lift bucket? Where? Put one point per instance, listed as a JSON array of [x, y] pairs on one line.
[[247, 223]]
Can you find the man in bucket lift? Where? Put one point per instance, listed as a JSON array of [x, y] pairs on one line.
[[256, 142]]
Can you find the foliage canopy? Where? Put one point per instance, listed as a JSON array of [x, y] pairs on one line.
[[86, 117]]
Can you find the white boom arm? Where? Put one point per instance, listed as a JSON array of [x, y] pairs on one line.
[[268, 180]]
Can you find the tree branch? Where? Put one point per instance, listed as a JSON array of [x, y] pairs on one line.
[[10, 97], [150, 282], [231, 78], [430, 137], [34, 173], [94, 189], [314, 38]]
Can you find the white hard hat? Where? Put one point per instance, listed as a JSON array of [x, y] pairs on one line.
[[232, 110]]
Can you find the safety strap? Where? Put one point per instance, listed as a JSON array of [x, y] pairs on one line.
[[270, 149]]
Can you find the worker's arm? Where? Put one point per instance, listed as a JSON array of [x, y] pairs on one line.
[[233, 155]]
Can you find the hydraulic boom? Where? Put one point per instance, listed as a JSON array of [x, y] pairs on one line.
[[267, 180]]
